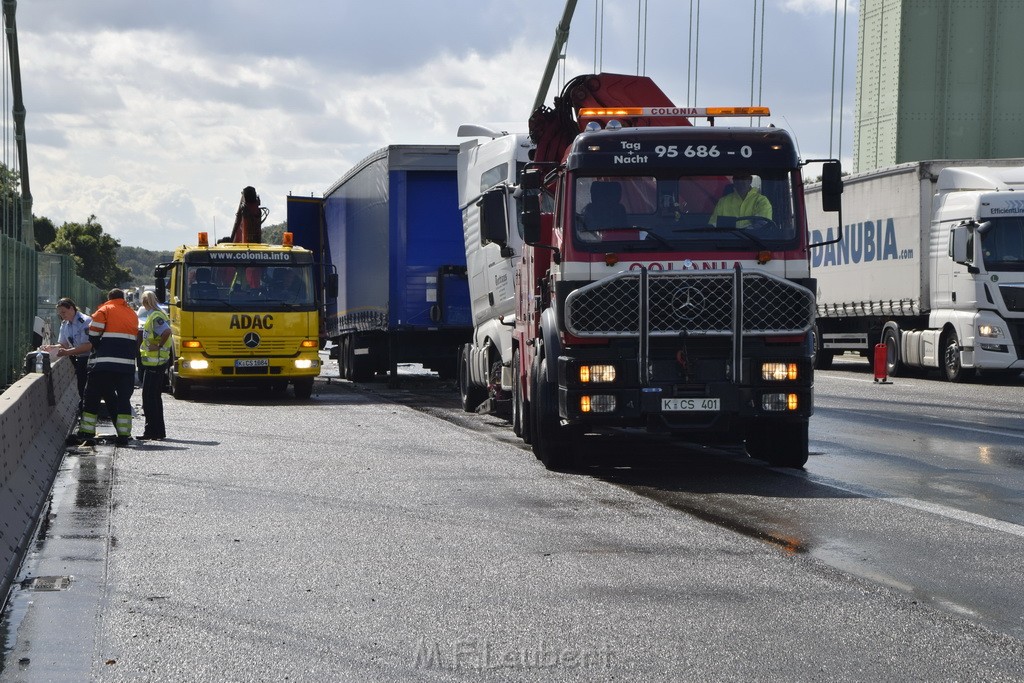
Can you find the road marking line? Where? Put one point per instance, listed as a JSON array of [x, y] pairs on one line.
[[962, 516], [924, 506]]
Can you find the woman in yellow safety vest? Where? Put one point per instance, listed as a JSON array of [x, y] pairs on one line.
[[155, 350]]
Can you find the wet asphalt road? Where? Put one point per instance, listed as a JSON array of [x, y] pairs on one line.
[[381, 534]]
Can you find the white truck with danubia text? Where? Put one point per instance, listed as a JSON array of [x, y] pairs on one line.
[[931, 263], [241, 313], [639, 302]]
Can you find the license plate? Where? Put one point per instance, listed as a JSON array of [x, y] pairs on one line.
[[252, 363], [677, 405]]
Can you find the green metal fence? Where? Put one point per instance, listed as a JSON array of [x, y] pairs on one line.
[[17, 306], [32, 283], [58, 278]]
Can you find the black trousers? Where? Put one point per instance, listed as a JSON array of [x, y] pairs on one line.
[[81, 365], [153, 377]]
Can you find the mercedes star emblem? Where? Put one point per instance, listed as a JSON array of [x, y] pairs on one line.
[[251, 339], [687, 302]]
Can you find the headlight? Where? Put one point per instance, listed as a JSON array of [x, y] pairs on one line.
[[597, 373], [196, 364], [778, 372], [779, 402], [603, 403], [305, 363], [989, 331]]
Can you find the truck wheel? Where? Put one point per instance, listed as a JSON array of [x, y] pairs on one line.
[[822, 358], [470, 395], [551, 444], [180, 388], [780, 444], [303, 388], [361, 369], [893, 365], [344, 358], [955, 372], [517, 397]]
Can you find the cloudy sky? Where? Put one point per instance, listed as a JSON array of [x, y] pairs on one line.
[[154, 116]]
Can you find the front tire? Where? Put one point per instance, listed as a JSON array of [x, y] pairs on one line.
[[822, 358], [176, 386], [780, 444], [954, 369], [470, 395], [550, 444], [517, 397], [303, 388], [893, 364]]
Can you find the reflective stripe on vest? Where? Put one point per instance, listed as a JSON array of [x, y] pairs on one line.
[[153, 356]]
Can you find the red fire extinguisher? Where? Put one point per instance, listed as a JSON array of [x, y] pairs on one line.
[[881, 358]]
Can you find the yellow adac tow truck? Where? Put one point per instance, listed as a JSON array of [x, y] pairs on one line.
[[241, 313]]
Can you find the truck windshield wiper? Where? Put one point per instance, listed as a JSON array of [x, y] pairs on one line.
[[658, 238], [746, 234]]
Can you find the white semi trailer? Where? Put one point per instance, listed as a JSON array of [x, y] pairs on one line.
[[931, 263], [491, 159]]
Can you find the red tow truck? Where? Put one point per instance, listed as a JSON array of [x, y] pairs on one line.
[[639, 303]]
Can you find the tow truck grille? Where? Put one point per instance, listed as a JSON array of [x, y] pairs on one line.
[[690, 303]]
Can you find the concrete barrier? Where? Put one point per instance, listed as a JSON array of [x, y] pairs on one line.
[[32, 433]]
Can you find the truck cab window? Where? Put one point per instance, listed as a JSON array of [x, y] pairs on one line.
[[671, 212], [1002, 245]]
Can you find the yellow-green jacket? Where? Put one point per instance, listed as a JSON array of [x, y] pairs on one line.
[[754, 204]]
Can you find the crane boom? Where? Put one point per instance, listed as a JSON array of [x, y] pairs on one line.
[[561, 37]]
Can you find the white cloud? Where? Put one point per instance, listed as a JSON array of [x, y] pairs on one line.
[[155, 120]]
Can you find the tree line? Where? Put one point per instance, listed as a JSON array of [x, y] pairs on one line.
[[100, 258]]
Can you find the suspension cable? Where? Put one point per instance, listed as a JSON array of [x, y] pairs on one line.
[[753, 55], [646, 8], [689, 55], [757, 57], [842, 78], [832, 93], [696, 55], [641, 37], [760, 59]]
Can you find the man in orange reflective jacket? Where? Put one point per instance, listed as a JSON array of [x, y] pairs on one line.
[[112, 335]]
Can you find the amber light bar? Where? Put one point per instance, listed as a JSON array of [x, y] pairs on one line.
[[709, 112]]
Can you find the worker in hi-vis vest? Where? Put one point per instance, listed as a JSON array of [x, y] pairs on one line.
[[113, 337], [744, 200], [155, 350]]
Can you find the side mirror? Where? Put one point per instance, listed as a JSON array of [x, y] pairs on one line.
[[831, 186], [332, 286], [531, 219], [532, 178], [960, 245], [160, 281], [494, 217]]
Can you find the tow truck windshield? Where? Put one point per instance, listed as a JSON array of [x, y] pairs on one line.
[[252, 287], [672, 212]]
